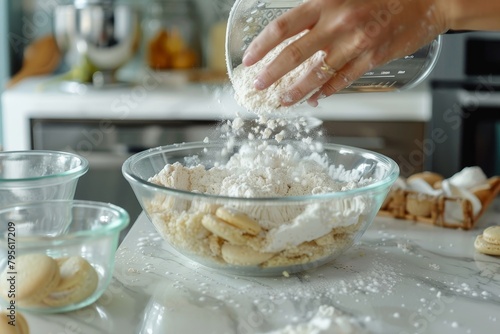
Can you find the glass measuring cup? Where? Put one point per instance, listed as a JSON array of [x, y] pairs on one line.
[[249, 17]]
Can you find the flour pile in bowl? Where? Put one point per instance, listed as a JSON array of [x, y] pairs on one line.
[[265, 233], [235, 211]]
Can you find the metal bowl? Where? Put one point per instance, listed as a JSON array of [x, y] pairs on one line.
[[97, 35]]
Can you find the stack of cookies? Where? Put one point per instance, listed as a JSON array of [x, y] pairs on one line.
[[489, 241], [455, 202], [44, 282]]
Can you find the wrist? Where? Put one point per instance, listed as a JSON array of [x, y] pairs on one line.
[[470, 15], [435, 14]]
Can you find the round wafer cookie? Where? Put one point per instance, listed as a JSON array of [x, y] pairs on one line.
[[78, 281], [13, 325], [224, 230], [430, 177], [36, 276], [239, 220], [485, 247], [492, 235], [243, 255]]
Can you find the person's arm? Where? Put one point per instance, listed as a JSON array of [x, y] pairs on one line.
[[357, 36], [471, 15]]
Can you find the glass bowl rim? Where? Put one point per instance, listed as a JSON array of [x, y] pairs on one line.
[[393, 174], [118, 224], [75, 172]]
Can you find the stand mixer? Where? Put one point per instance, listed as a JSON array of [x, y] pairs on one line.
[[248, 17], [97, 37]]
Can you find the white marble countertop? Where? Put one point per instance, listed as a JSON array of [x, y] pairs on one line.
[[402, 277]]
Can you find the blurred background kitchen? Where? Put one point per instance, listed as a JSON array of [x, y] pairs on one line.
[[152, 72]]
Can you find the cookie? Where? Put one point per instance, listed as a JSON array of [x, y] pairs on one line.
[[243, 255], [78, 281], [418, 206], [37, 276], [330, 238], [485, 247], [430, 177], [239, 220], [223, 230], [483, 192], [15, 325], [215, 243], [492, 235]]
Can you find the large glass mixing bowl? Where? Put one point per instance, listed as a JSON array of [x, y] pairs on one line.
[[294, 233]]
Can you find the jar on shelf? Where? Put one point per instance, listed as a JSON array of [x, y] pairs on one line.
[[216, 59], [172, 35]]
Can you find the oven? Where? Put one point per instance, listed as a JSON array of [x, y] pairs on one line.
[[465, 122], [107, 145]]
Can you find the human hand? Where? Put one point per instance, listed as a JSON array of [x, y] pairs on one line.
[[355, 36]]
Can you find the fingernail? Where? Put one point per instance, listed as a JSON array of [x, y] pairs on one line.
[[259, 84], [247, 59], [289, 98], [286, 99], [312, 103]]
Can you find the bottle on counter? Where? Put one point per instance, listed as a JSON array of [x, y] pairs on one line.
[[216, 37], [172, 35]]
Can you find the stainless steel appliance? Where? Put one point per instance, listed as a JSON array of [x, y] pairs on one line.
[[97, 37], [465, 125]]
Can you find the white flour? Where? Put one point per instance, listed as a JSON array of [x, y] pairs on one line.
[[268, 100], [257, 170], [327, 320], [277, 171], [274, 121]]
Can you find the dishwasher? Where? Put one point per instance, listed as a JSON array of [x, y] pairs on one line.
[[106, 144]]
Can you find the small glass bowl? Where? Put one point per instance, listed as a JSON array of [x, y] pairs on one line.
[[39, 175], [60, 229], [342, 216]]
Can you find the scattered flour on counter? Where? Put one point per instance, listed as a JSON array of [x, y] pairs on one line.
[[327, 320]]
